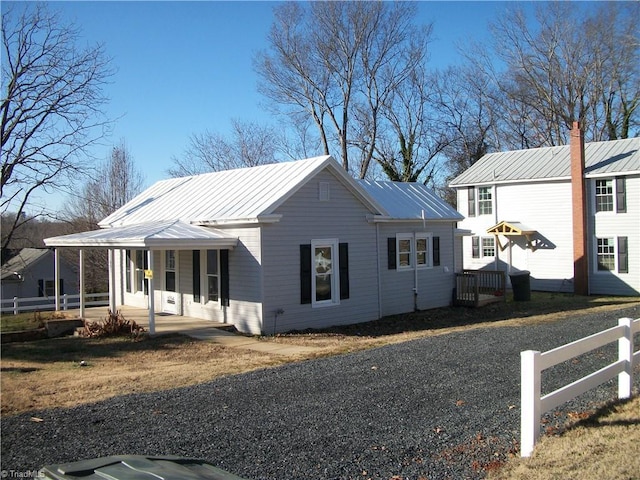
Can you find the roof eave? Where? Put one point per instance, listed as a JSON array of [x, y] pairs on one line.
[[152, 244]]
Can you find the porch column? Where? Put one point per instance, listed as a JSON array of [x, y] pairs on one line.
[[81, 263], [56, 275], [152, 313], [112, 281]]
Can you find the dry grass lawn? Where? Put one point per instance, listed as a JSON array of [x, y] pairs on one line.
[[49, 373], [606, 446]]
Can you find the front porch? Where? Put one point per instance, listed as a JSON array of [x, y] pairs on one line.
[[163, 323], [199, 329]]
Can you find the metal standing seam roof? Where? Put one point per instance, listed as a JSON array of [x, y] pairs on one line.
[[148, 235], [410, 201], [537, 164], [228, 196]]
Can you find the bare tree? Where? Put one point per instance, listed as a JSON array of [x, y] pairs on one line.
[[51, 108], [337, 63], [250, 145], [114, 182], [568, 65], [412, 136]]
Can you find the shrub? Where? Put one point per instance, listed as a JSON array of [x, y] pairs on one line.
[[113, 324]]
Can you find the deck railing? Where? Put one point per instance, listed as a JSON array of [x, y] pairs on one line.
[[17, 305], [533, 363], [475, 288]]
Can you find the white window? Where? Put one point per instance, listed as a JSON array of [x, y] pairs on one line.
[[141, 264], [405, 250], [213, 276], [606, 254], [483, 247], [424, 255], [485, 201], [170, 271], [488, 247], [610, 195], [604, 195], [325, 272], [414, 250], [127, 270]]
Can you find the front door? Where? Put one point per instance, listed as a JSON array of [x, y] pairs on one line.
[[169, 289]]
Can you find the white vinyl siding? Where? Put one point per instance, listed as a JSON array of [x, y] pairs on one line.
[[306, 218], [434, 285]]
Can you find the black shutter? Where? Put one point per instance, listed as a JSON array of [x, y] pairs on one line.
[[623, 255], [436, 251], [196, 276], [343, 259], [475, 247], [391, 253], [621, 196], [62, 286], [224, 277], [305, 273], [472, 201], [41, 288]]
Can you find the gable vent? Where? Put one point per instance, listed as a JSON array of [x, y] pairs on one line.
[[324, 191]]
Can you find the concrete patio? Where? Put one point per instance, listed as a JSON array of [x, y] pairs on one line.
[[196, 328]]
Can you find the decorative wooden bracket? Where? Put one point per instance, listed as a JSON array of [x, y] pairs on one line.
[[511, 229]]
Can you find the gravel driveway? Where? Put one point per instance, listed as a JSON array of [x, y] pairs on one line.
[[441, 407]]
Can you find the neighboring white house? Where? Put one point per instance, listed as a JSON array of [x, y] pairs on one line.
[[524, 212], [31, 273], [291, 245]]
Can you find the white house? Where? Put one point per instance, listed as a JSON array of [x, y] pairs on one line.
[[291, 245], [570, 215], [31, 273]]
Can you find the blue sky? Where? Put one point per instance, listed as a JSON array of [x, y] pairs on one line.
[[186, 67]]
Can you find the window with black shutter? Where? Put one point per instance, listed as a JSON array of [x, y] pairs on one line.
[[391, 253], [305, 273], [621, 195], [224, 277], [436, 251], [623, 255], [471, 191], [196, 275], [475, 247]]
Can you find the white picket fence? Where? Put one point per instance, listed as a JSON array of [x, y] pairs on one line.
[[533, 363], [17, 305]]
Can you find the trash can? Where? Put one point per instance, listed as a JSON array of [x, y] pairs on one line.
[[127, 467], [521, 285]]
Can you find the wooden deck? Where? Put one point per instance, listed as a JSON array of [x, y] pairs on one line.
[[476, 288]]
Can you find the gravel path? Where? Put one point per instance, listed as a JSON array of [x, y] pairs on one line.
[[441, 407]]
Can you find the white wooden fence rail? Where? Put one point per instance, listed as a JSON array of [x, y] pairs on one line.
[[533, 363], [16, 305]]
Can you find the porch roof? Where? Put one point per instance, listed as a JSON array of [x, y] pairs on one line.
[[175, 235], [509, 228]]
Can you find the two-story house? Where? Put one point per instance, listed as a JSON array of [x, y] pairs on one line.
[[570, 215]]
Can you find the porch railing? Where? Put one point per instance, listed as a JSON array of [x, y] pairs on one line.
[[17, 305], [475, 288]]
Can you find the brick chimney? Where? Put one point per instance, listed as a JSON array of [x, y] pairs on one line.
[[579, 213]]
